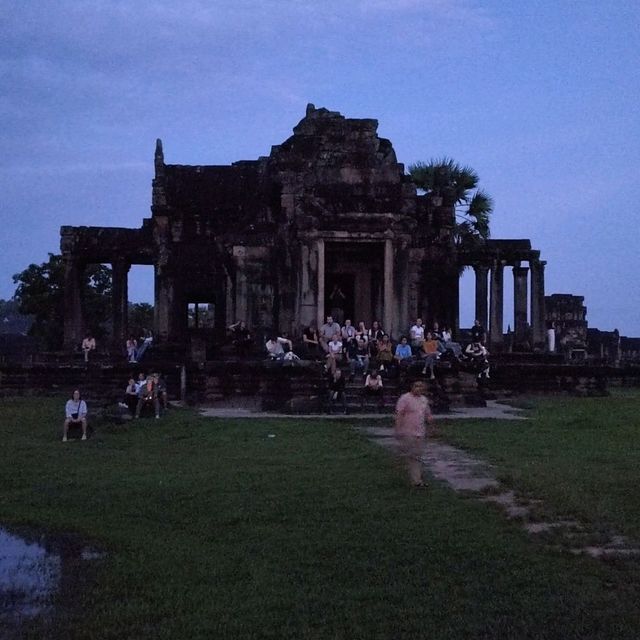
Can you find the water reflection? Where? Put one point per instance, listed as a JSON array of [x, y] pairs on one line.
[[29, 575]]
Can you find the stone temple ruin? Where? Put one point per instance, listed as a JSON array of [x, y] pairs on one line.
[[269, 241]]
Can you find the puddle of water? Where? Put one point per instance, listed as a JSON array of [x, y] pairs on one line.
[[32, 569], [29, 576]]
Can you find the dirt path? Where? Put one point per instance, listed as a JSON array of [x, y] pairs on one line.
[[465, 473]]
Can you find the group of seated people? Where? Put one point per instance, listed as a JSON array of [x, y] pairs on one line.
[[146, 390], [363, 349]]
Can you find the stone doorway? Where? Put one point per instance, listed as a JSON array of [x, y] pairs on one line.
[[354, 281]]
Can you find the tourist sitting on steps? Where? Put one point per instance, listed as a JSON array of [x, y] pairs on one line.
[[275, 347], [311, 348], [337, 391], [88, 345], [148, 394], [449, 345], [384, 355], [75, 413], [373, 387], [327, 331], [403, 355], [132, 349], [478, 355], [417, 336], [334, 353], [358, 352], [430, 354]]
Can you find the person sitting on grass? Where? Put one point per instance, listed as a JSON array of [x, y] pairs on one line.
[[75, 413], [148, 394]]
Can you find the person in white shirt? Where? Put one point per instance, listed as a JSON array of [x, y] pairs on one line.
[[275, 348], [75, 413], [417, 335], [334, 353]]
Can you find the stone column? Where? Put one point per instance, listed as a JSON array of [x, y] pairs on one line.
[[482, 292], [164, 305], [520, 303], [320, 314], [242, 309], [73, 312], [496, 305], [388, 294], [537, 304], [307, 282], [120, 303]]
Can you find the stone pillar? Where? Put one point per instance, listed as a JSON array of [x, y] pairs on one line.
[[73, 312], [120, 303], [496, 304], [482, 294], [388, 294], [537, 304], [164, 306], [320, 318], [308, 304], [242, 309], [520, 303]]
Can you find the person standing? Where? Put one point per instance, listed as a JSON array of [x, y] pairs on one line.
[[75, 413], [412, 412]]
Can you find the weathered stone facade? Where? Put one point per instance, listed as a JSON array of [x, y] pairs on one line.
[[328, 222]]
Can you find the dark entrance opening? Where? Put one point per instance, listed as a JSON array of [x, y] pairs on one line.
[[354, 281]]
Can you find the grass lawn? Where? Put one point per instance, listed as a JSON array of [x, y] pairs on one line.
[[213, 529]]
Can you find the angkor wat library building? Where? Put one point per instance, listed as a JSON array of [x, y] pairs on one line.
[[328, 222]]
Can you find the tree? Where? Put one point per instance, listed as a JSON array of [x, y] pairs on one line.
[[140, 318], [448, 183], [40, 293]]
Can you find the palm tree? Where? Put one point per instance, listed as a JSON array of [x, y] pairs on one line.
[[447, 183]]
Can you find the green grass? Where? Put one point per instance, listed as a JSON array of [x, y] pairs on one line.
[[215, 530], [581, 456]]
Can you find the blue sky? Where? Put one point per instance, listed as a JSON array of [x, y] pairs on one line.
[[540, 97]]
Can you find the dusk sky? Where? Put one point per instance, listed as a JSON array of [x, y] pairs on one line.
[[539, 97]]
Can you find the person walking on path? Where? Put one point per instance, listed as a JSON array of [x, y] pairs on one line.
[[412, 412]]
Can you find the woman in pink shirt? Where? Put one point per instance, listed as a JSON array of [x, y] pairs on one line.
[[412, 411]]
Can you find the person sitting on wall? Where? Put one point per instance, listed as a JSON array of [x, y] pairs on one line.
[[403, 355], [148, 394], [430, 354], [358, 357], [88, 345], [374, 334], [384, 355], [479, 357], [362, 331], [337, 391], [132, 349], [275, 347], [478, 334], [131, 396], [311, 343], [417, 335], [373, 387], [327, 331], [449, 345], [241, 337], [75, 413], [348, 332], [335, 353], [147, 342]]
